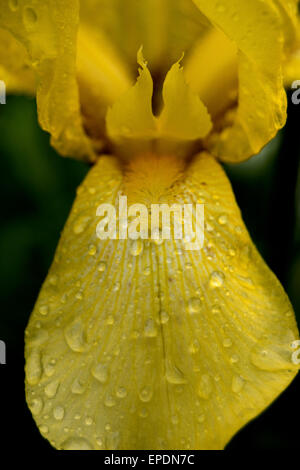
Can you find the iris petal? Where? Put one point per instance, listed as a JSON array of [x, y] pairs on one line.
[[258, 29], [48, 31], [146, 345]]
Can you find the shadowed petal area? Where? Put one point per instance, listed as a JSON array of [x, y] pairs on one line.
[[146, 345]]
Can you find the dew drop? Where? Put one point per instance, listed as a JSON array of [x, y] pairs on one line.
[[102, 267], [92, 250], [150, 330], [51, 389], [44, 310], [237, 384], [13, 4], [77, 387], [88, 421], [44, 429], [227, 343], [30, 17], [147, 271], [234, 359], [216, 279], [53, 280], [164, 317], [109, 401], [174, 375], [100, 373], [146, 394], [205, 387], [77, 443], [121, 392], [81, 224], [194, 305], [33, 368], [223, 219], [36, 406], [272, 359], [74, 335], [59, 413], [136, 248]]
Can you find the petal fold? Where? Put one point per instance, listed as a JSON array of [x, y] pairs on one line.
[[142, 344]]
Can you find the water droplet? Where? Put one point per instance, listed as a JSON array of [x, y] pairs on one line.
[[150, 330], [81, 224], [36, 406], [136, 247], [174, 375], [102, 267], [109, 401], [121, 392], [205, 387], [33, 368], [44, 310], [51, 389], [100, 372], [77, 443], [79, 295], [216, 279], [143, 413], [237, 384], [147, 271], [223, 219], [88, 421], [49, 368], [146, 394], [13, 4], [194, 346], [53, 280], [112, 440], [194, 305], [30, 17], [164, 317], [99, 441], [272, 358], [234, 359], [227, 343], [59, 413], [201, 419], [44, 429], [77, 387], [92, 250], [74, 335]]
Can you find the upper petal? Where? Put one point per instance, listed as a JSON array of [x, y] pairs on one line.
[[48, 31], [146, 345], [259, 30]]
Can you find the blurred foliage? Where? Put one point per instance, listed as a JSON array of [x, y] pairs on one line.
[[37, 191]]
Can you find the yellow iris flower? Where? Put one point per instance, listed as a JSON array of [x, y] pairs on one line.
[[142, 345]]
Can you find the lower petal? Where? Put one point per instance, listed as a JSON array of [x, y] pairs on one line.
[[146, 345]]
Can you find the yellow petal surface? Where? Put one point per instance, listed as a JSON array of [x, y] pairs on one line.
[[147, 345], [48, 31], [15, 66], [258, 30]]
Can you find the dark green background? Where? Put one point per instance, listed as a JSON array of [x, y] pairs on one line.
[[36, 193]]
